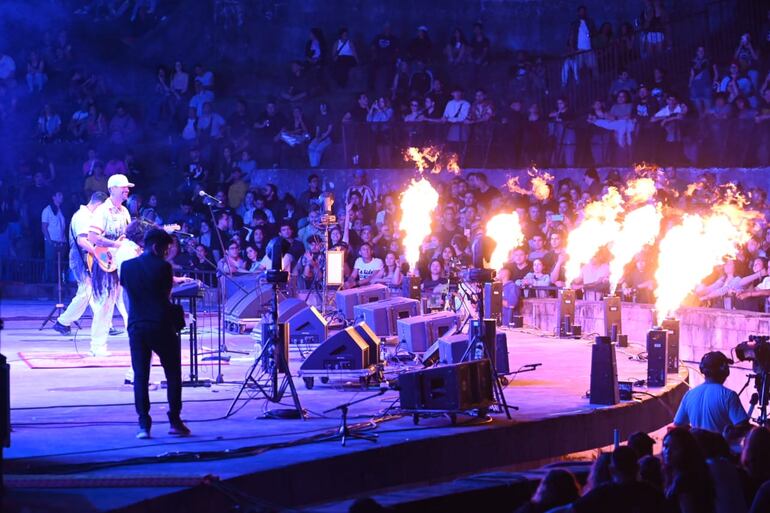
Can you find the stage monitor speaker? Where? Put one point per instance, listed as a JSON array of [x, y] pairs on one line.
[[565, 308], [452, 348], [419, 332], [501, 354], [244, 309], [345, 350], [493, 301], [432, 355], [613, 324], [347, 299], [457, 387], [672, 350], [288, 307], [657, 349], [604, 372], [371, 339], [307, 327], [241, 283], [488, 337], [410, 287], [382, 316]]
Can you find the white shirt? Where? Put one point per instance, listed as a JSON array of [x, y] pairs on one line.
[[56, 224], [584, 36], [199, 99], [666, 111], [764, 284], [190, 132], [367, 270], [213, 124], [456, 111], [206, 79], [110, 221]]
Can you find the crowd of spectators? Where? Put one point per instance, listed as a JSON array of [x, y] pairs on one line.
[[204, 142]]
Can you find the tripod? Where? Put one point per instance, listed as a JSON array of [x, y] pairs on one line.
[[271, 360], [58, 308], [760, 397]]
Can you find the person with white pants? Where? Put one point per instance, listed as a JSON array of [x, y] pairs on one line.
[[79, 247], [108, 226]]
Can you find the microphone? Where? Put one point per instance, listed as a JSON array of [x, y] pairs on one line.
[[205, 195]]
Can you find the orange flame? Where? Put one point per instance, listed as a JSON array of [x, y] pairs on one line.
[[538, 182], [598, 228], [640, 190], [691, 250], [640, 227], [505, 230], [417, 205], [429, 158]]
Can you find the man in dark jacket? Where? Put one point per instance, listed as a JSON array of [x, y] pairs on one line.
[[153, 326]]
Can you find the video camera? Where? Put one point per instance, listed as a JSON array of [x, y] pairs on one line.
[[757, 350]]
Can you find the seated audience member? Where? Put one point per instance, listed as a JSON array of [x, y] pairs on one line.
[[638, 283], [721, 292], [594, 278], [366, 268], [624, 493], [558, 488], [711, 405], [391, 275], [310, 268], [536, 278], [435, 278], [232, 262]]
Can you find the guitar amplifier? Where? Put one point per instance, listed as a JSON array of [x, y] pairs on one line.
[[382, 316], [349, 298]]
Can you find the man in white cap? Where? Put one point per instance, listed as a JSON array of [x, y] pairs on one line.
[[108, 226]]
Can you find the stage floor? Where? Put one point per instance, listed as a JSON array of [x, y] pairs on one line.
[[73, 445]]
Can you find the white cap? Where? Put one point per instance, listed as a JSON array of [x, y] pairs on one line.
[[118, 181]]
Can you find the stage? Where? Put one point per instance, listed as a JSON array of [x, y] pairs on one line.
[[73, 445]]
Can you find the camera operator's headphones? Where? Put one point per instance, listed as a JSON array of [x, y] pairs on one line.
[[715, 365]]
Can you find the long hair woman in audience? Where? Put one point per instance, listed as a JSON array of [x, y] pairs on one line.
[[391, 276], [600, 472], [558, 488], [689, 488]]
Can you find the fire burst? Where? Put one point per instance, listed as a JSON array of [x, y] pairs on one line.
[[640, 227], [599, 228], [417, 205], [430, 159], [691, 250], [538, 181], [505, 230], [640, 190]]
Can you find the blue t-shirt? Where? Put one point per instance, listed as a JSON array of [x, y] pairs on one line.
[[710, 406]]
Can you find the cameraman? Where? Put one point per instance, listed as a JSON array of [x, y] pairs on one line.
[[711, 405]]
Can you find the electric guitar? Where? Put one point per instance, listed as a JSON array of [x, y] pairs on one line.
[[104, 257]]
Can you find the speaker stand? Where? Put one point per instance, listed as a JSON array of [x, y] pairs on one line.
[[344, 432]]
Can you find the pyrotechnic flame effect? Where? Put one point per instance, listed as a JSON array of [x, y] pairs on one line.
[[640, 227], [640, 190], [691, 250], [599, 228], [417, 205], [505, 230], [539, 182], [429, 158]]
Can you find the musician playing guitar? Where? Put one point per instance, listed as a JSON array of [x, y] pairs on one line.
[[108, 227]]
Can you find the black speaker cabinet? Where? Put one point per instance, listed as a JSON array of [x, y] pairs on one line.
[[501, 354], [613, 325], [657, 349], [410, 287], [604, 372], [345, 350], [244, 308], [493, 301], [347, 299], [280, 347], [456, 387], [672, 355], [565, 308], [289, 307]]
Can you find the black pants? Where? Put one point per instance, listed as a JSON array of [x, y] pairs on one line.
[[145, 339]]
